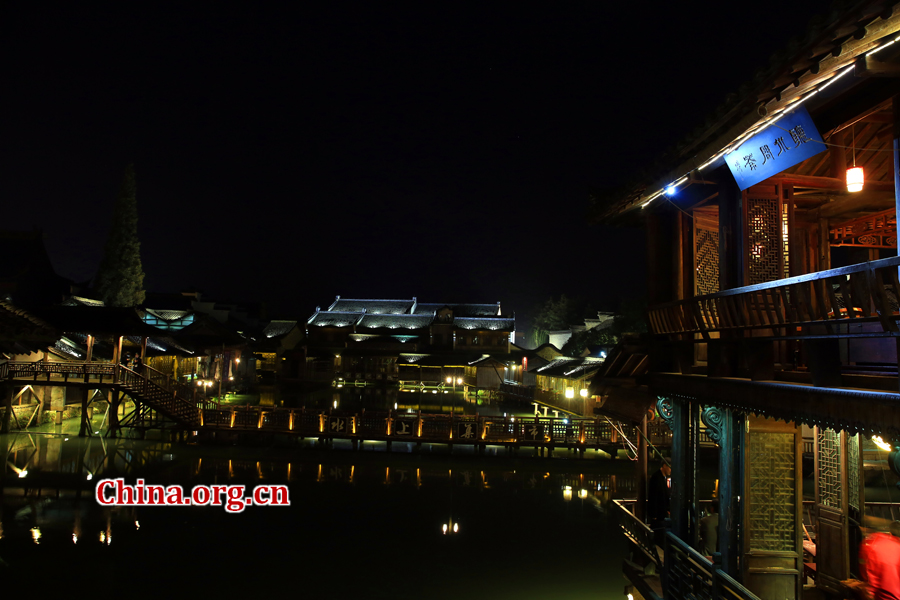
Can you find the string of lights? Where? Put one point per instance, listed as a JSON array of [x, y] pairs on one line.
[[840, 72]]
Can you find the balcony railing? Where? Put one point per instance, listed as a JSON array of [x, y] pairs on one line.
[[819, 304]]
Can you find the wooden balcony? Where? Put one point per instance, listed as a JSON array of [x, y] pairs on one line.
[[822, 304]]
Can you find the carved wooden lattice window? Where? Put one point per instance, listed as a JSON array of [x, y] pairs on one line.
[[764, 221], [853, 470], [772, 491], [707, 261], [786, 239], [829, 461]]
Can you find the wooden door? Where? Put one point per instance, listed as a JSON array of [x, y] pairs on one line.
[[772, 546], [838, 498]]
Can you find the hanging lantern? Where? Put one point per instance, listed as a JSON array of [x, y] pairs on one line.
[[855, 179]]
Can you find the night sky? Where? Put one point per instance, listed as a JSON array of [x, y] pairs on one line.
[[290, 153]]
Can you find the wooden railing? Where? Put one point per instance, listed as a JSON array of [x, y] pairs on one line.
[[638, 532], [456, 429], [866, 292], [163, 400], [150, 386], [688, 575]]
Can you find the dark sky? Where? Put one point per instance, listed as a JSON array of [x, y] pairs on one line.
[[290, 153]]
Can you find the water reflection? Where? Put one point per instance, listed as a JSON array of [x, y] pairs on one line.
[[396, 503]]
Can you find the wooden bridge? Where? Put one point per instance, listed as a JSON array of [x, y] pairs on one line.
[[151, 390], [156, 392], [541, 432]]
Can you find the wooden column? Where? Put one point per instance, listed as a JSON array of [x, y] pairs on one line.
[[683, 469], [731, 232], [90, 349], [730, 427], [7, 391], [896, 135], [85, 424]]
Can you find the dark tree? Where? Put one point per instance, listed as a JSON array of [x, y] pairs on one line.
[[120, 281]]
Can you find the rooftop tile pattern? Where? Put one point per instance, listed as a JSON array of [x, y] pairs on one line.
[[371, 321], [372, 306], [489, 323]]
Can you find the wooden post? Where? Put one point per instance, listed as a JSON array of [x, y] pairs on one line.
[[7, 391], [84, 429], [731, 232], [641, 472]]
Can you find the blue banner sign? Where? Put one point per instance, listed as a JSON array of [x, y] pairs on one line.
[[790, 140]]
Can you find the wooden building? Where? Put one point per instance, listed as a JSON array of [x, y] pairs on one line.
[[382, 340], [774, 304]]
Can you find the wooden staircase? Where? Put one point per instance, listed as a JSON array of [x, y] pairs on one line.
[[162, 394]]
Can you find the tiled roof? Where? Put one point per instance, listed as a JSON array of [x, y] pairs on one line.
[[462, 310], [371, 321], [81, 301], [491, 323], [571, 368], [826, 50], [377, 307], [334, 319], [278, 328], [168, 315]]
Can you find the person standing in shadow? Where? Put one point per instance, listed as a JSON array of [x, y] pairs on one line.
[[658, 501]]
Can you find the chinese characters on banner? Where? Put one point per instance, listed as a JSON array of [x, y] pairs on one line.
[[790, 140]]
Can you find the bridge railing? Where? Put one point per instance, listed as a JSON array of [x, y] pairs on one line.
[[432, 427]]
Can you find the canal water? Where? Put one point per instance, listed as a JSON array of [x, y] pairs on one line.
[[359, 524]]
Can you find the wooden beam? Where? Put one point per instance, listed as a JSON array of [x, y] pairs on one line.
[[859, 202], [838, 156], [867, 66], [830, 183]]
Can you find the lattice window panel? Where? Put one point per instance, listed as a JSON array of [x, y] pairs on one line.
[[853, 470], [785, 239], [707, 261], [764, 240], [828, 447], [772, 492]]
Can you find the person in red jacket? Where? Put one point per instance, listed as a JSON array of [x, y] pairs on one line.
[[879, 563]]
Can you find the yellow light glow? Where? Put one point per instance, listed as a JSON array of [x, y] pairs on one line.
[[855, 179], [36, 534], [878, 441], [459, 380], [567, 493], [570, 392], [449, 380], [582, 494], [584, 393]]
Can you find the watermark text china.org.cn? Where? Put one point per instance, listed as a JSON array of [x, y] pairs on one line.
[[115, 492]]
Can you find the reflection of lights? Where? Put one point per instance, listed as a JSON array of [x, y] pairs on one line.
[[137, 525], [74, 538], [878, 441], [582, 493], [102, 536], [395, 406], [335, 403], [36, 534], [450, 527], [567, 493]]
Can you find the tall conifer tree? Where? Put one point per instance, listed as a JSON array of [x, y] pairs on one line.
[[120, 281]]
